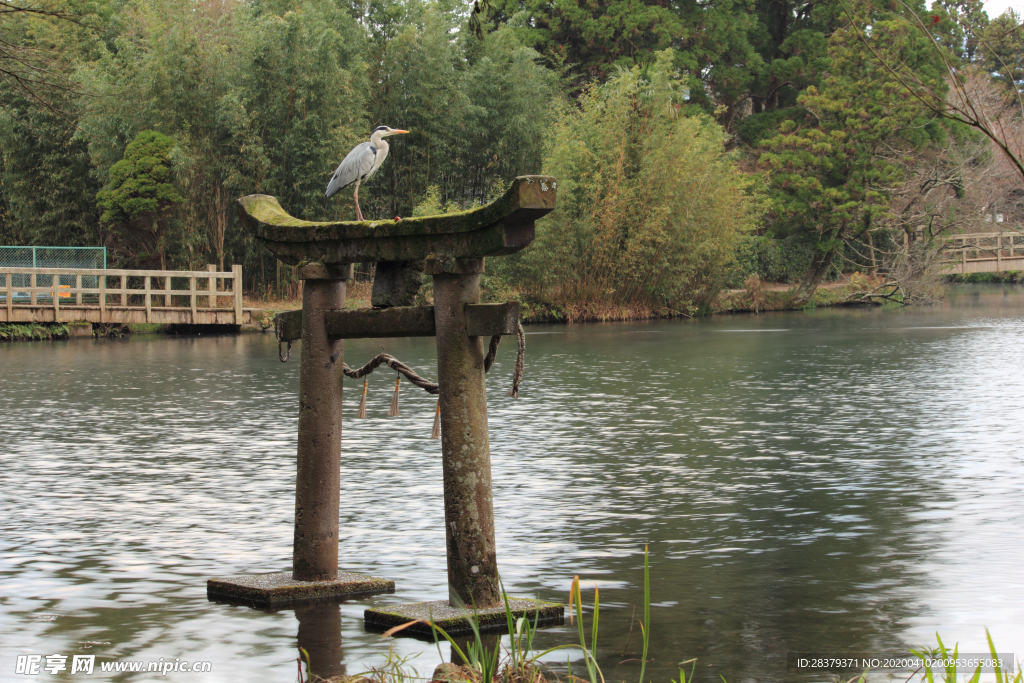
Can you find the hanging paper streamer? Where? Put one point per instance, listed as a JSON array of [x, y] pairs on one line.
[[436, 432], [362, 401], [394, 399]]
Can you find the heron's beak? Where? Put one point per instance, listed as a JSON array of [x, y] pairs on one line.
[[397, 132]]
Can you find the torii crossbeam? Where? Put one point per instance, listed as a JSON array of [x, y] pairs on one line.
[[452, 249]]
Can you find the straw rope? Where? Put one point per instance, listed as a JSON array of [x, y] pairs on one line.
[[410, 374]]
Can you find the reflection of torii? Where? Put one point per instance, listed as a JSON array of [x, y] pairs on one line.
[[361, 163]]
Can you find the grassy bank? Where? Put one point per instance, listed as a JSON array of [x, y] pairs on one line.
[[39, 331], [754, 297], [30, 331]]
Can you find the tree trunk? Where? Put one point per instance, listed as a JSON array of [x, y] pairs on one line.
[[873, 270], [219, 224], [819, 266], [161, 247]]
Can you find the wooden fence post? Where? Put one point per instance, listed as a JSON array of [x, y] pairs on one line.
[[101, 284], [192, 296], [236, 288], [211, 286]]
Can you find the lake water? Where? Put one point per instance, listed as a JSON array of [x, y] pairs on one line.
[[845, 480]]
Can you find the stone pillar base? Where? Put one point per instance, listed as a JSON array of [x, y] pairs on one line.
[[455, 620], [280, 589]]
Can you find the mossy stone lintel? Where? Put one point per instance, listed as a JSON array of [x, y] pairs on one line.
[[502, 227], [455, 620], [279, 588], [483, 320]]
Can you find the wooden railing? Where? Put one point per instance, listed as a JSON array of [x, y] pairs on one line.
[[985, 251], [57, 294]]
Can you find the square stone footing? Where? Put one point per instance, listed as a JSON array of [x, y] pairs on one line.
[[455, 621], [280, 589]]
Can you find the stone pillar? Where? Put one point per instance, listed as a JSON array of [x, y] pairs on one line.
[[318, 476], [465, 449]]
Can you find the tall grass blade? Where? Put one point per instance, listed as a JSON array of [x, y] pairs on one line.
[[647, 612], [572, 596], [513, 636], [391, 631]]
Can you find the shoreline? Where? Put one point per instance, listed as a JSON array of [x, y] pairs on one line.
[[756, 298]]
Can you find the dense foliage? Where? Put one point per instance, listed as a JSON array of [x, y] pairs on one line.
[[650, 203], [833, 170], [666, 124], [139, 192]]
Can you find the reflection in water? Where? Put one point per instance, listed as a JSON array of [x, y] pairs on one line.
[[849, 480], [320, 637]]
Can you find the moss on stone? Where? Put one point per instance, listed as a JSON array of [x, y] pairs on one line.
[[503, 226]]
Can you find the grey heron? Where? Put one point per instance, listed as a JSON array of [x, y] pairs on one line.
[[361, 163]]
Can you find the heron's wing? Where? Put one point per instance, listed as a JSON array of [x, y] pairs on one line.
[[356, 165], [378, 159]]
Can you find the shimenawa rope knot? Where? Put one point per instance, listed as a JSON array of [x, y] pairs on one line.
[[431, 387], [279, 332], [410, 374]]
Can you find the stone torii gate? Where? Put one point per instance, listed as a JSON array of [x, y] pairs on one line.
[[452, 249]]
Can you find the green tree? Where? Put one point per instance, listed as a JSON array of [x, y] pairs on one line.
[[593, 38], [257, 100], [139, 192], [833, 171], [476, 109], [791, 37], [46, 178], [650, 203], [46, 175], [30, 65], [8, 235], [710, 41], [1002, 53]]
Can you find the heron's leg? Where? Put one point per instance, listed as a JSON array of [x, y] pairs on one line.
[[355, 195]]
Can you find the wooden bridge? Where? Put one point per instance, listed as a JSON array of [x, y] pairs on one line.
[[69, 295], [985, 252]]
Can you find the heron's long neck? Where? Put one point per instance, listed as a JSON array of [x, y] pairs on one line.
[[378, 141]]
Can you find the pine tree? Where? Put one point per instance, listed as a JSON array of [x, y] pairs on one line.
[[139, 192], [832, 170]]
